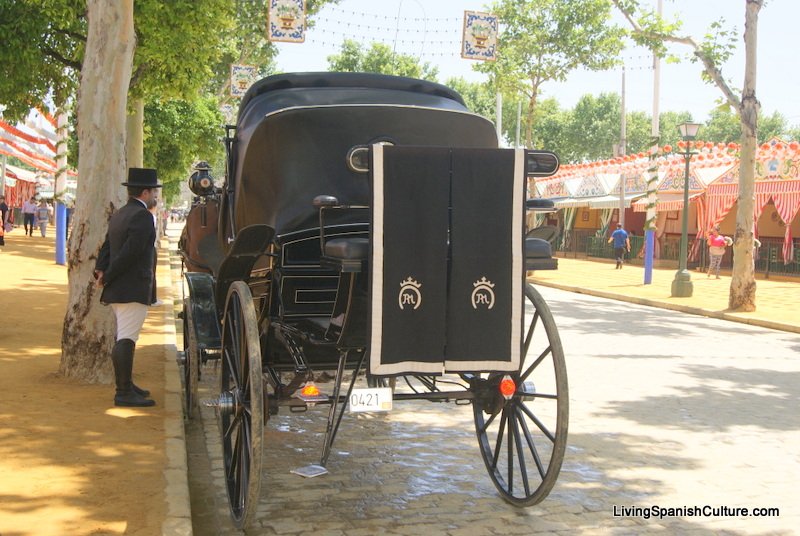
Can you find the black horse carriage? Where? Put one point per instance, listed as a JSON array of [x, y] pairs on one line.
[[370, 225]]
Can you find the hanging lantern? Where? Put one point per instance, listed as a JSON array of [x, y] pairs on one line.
[[765, 146], [668, 148], [732, 146]]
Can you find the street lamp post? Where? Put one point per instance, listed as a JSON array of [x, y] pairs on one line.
[[682, 284]]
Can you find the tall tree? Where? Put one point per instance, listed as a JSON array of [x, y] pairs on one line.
[[545, 40], [650, 30], [87, 335]]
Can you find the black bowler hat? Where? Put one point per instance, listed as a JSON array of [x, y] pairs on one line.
[[142, 178]]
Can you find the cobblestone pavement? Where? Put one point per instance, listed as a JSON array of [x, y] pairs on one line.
[[667, 409]]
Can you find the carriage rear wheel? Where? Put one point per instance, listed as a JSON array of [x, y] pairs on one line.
[[241, 404], [523, 439], [191, 360]]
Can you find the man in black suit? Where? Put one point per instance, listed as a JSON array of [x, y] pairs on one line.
[[124, 270]]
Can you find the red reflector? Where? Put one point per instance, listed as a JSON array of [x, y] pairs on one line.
[[507, 387], [310, 390]]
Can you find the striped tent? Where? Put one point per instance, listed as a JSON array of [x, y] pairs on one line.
[[785, 194]]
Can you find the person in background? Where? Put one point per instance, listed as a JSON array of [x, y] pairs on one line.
[[5, 212], [152, 206], [42, 217], [124, 270], [29, 215], [716, 250], [3, 220], [621, 244]]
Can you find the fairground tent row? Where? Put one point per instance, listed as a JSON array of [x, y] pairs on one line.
[[32, 142], [588, 196]]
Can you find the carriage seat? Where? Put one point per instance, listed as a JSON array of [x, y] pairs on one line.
[[347, 248], [539, 255], [346, 254]]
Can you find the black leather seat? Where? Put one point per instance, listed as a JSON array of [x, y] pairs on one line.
[[347, 248], [539, 255]]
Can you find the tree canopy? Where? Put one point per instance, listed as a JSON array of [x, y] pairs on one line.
[[545, 40], [40, 53], [379, 58]]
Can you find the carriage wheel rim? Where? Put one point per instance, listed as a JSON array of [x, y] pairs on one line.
[[242, 423], [523, 456]]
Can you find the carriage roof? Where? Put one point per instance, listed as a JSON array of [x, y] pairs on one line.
[[309, 89], [294, 132]]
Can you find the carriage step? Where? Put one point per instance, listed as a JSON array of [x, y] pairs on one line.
[[310, 471]]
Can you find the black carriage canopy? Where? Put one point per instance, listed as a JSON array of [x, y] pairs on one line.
[[294, 133]]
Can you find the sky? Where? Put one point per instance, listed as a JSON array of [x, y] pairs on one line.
[[431, 31]]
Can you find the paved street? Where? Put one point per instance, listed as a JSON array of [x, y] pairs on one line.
[[667, 409]]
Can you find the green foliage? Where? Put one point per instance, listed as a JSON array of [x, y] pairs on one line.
[[479, 97], [725, 126], [177, 43], [544, 40], [41, 51], [177, 134], [379, 58], [590, 130]]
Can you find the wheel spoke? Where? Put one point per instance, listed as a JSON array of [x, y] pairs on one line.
[[542, 395], [529, 335], [233, 437], [531, 445], [245, 465], [486, 424], [536, 363], [510, 452], [520, 454], [238, 497], [499, 442], [538, 423], [230, 365]]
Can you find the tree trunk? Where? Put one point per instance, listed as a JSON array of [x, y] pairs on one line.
[[88, 333], [742, 296], [529, 118], [135, 134]]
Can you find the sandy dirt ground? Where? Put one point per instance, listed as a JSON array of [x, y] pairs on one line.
[[70, 462]]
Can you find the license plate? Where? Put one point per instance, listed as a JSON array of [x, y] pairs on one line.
[[364, 400]]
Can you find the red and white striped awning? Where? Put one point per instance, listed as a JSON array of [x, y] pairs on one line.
[[666, 202]]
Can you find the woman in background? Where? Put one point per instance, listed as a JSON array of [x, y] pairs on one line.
[[42, 216], [716, 250]]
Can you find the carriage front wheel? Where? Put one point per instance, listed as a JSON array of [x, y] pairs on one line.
[[522, 439], [241, 404]]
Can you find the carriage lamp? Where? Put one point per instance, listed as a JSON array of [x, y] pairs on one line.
[[682, 284], [310, 394], [310, 390], [201, 182], [507, 387]]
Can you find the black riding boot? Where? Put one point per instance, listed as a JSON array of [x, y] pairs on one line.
[[136, 389], [122, 358]]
